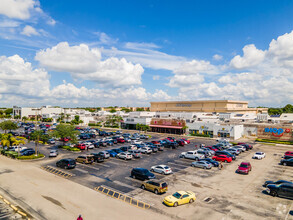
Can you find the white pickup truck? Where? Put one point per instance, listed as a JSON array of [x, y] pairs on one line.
[[194, 155]]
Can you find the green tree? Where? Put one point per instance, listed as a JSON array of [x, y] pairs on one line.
[[8, 111], [36, 136], [76, 120], [113, 121], [139, 109], [8, 125], [24, 118], [65, 131], [113, 110]]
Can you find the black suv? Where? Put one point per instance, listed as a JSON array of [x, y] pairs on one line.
[[142, 174], [225, 153], [98, 157], [66, 163], [27, 152], [287, 162], [283, 190]]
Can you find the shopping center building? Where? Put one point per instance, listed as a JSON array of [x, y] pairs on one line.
[[219, 106]]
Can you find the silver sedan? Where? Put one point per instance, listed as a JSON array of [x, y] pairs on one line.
[[202, 164]]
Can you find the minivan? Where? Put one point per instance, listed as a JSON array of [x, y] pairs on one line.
[[155, 186], [85, 159], [142, 174]]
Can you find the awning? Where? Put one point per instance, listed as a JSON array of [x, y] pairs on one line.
[[165, 126]]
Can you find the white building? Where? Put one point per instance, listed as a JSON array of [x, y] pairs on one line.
[[134, 118]]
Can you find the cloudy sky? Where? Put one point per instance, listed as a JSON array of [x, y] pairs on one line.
[[128, 53]]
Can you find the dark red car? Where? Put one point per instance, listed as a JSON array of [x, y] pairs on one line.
[[155, 142], [65, 139], [180, 142], [81, 146], [120, 140], [223, 158], [289, 153], [244, 168], [212, 148], [187, 141]]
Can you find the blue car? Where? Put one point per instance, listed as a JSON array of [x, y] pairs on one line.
[[112, 153]]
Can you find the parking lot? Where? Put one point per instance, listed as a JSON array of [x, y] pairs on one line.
[[221, 194]]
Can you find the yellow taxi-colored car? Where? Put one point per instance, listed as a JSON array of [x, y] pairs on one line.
[[180, 198]]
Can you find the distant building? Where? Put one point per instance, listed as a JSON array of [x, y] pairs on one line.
[[216, 106]]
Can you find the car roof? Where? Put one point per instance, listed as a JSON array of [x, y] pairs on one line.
[[245, 162]]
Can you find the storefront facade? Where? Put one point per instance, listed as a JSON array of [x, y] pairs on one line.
[[213, 130], [170, 126], [275, 132]]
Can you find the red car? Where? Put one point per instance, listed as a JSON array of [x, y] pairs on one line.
[[65, 139], [222, 158], [212, 148], [180, 142], [81, 146], [155, 142], [244, 168], [120, 140], [187, 141], [170, 139], [289, 153]]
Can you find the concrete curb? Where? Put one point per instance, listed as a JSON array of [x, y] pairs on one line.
[[23, 214], [30, 160]]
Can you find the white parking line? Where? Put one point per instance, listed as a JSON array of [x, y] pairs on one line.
[[81, 170], [101, 164], [124, 184], [89, 166], [177, 164]]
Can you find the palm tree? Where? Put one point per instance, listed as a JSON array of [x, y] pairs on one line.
[[36, 136]]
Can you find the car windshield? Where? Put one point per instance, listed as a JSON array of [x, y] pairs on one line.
[[164, 185], [166, 167], [258, 153], [244, 165], [71, 162], [177, 195]]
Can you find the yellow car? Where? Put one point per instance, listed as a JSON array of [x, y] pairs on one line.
[[180, 198]]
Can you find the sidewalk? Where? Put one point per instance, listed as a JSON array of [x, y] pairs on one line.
[[47, 196]]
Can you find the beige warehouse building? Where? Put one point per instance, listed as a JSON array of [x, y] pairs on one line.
[[228, 106]]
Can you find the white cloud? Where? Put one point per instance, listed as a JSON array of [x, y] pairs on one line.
[[51, 21], [140, 46], [29, 31], [149, 58], [9, 23], [105, 38], [251, 57], [178, 81], [195, 67], [19, 9], [86, 64], [217, 57]]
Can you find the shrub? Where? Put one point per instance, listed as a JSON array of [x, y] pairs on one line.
[[69, 148], [31, 157], [274, 141], [200, 135]]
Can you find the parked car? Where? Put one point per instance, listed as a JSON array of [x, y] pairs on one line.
[[145, 150], [89, 145], [105, 154], [162, 169], [136, 142], [117, 150], [27, 152], [226, 153], [234, 151], [241, 147], [67, 163], [194, 155], [287, 162], [85, 159], [244, 168], [202, 164], [276, 182], [248, 146], [124, 155], [186, 140], [53, 153], [98, 157], [142, 174], [180, 198], [181, 142], [212, 148], [259, 155], [154, 148], [17, 148], [51, 141], [282, 190], [222, 158], [112, 153], [120, 140], [135, 153], [211, 161], [125, 148], [155, 142], [158, 187], [81, 146], [289, 153]]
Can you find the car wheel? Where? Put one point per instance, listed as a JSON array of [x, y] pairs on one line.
[[273, 193], [143, 187], [192, 165], [175, 204], [152, 170], [226, 161], [196, 159], [285, 164], [191, 201], [124, 158], [156, 192], [205, 168]]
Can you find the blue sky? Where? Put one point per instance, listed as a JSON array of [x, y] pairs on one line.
[[74, 53]]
